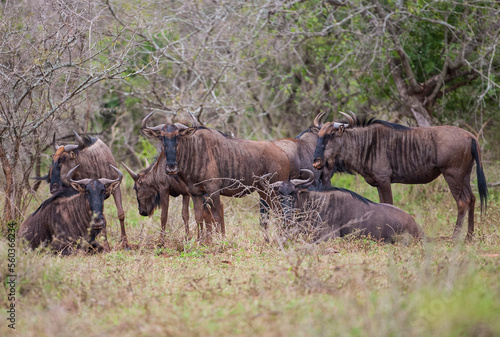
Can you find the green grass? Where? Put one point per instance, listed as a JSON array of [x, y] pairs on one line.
[[241, 285]]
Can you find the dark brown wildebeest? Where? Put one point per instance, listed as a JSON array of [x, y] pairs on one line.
[[385, 153], [334, 212], [300, 151], [211, 163], [94, 158], [153, 188], [72, 216]]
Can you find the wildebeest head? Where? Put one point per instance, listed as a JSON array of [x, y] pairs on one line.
[[96, 191], [148, 194], [169, 136], [63, 154], [288, 190], [329, 133]]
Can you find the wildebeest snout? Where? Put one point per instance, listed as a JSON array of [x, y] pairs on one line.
[[318, 163], [99, 222], [171, 169]]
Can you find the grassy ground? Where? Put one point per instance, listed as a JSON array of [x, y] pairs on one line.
[[241, 285]]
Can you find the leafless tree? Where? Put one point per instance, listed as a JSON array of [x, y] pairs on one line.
[[51, 53]]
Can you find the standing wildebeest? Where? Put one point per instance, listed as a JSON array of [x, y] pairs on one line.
[[385, 153], [153, 188], [72, 214], [335, 212], [94, 158], [300, 151], [212, 164]]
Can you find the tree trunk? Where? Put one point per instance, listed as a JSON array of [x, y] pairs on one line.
[[9, 190]]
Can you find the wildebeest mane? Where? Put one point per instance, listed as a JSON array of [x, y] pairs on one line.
[[224, 134], [338, 189], [367, 121], [65, 192], [89, 140], [302, 133], [202, 127], [341, 167]]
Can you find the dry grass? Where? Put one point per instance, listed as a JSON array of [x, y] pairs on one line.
[[241, 285]]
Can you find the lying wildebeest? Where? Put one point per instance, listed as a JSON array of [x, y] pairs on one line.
[[385, 153], [153, 188], [338, 212], [73, 216], [211, 163], [94, 158]]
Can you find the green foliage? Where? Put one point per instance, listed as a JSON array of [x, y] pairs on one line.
[[146, 150]]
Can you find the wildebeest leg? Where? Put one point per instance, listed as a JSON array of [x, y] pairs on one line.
[[185, 213], [199, 214], [462, 196], [218, 213], [94, 245], [470, 229], [266, 202], [105, 244], [63, 246], [117, 195], [385, 193], [264, 213], [469, 195], [164, 203]]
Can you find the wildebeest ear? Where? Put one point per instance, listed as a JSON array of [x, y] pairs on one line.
[[72, 155], [187, 132], [111, 187], [340, 130], [314, 130], [148, 132], [79, 187]]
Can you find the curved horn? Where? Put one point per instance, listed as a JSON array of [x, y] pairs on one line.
[[317, 120], [134, 175], [69, 148], [276, 185], [266, 176], [309, 180], [264, 179], [108, 181], [337, 125], [196, 123], [147, 162], [81, 181], [349, 118], [54, 144], [353, 116], [180, 126], [145, 120], [79, 139]]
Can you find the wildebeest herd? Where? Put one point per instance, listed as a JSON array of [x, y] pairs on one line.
[[290, 175]]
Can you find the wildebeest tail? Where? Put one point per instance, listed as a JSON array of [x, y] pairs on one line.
[[481, 179]]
